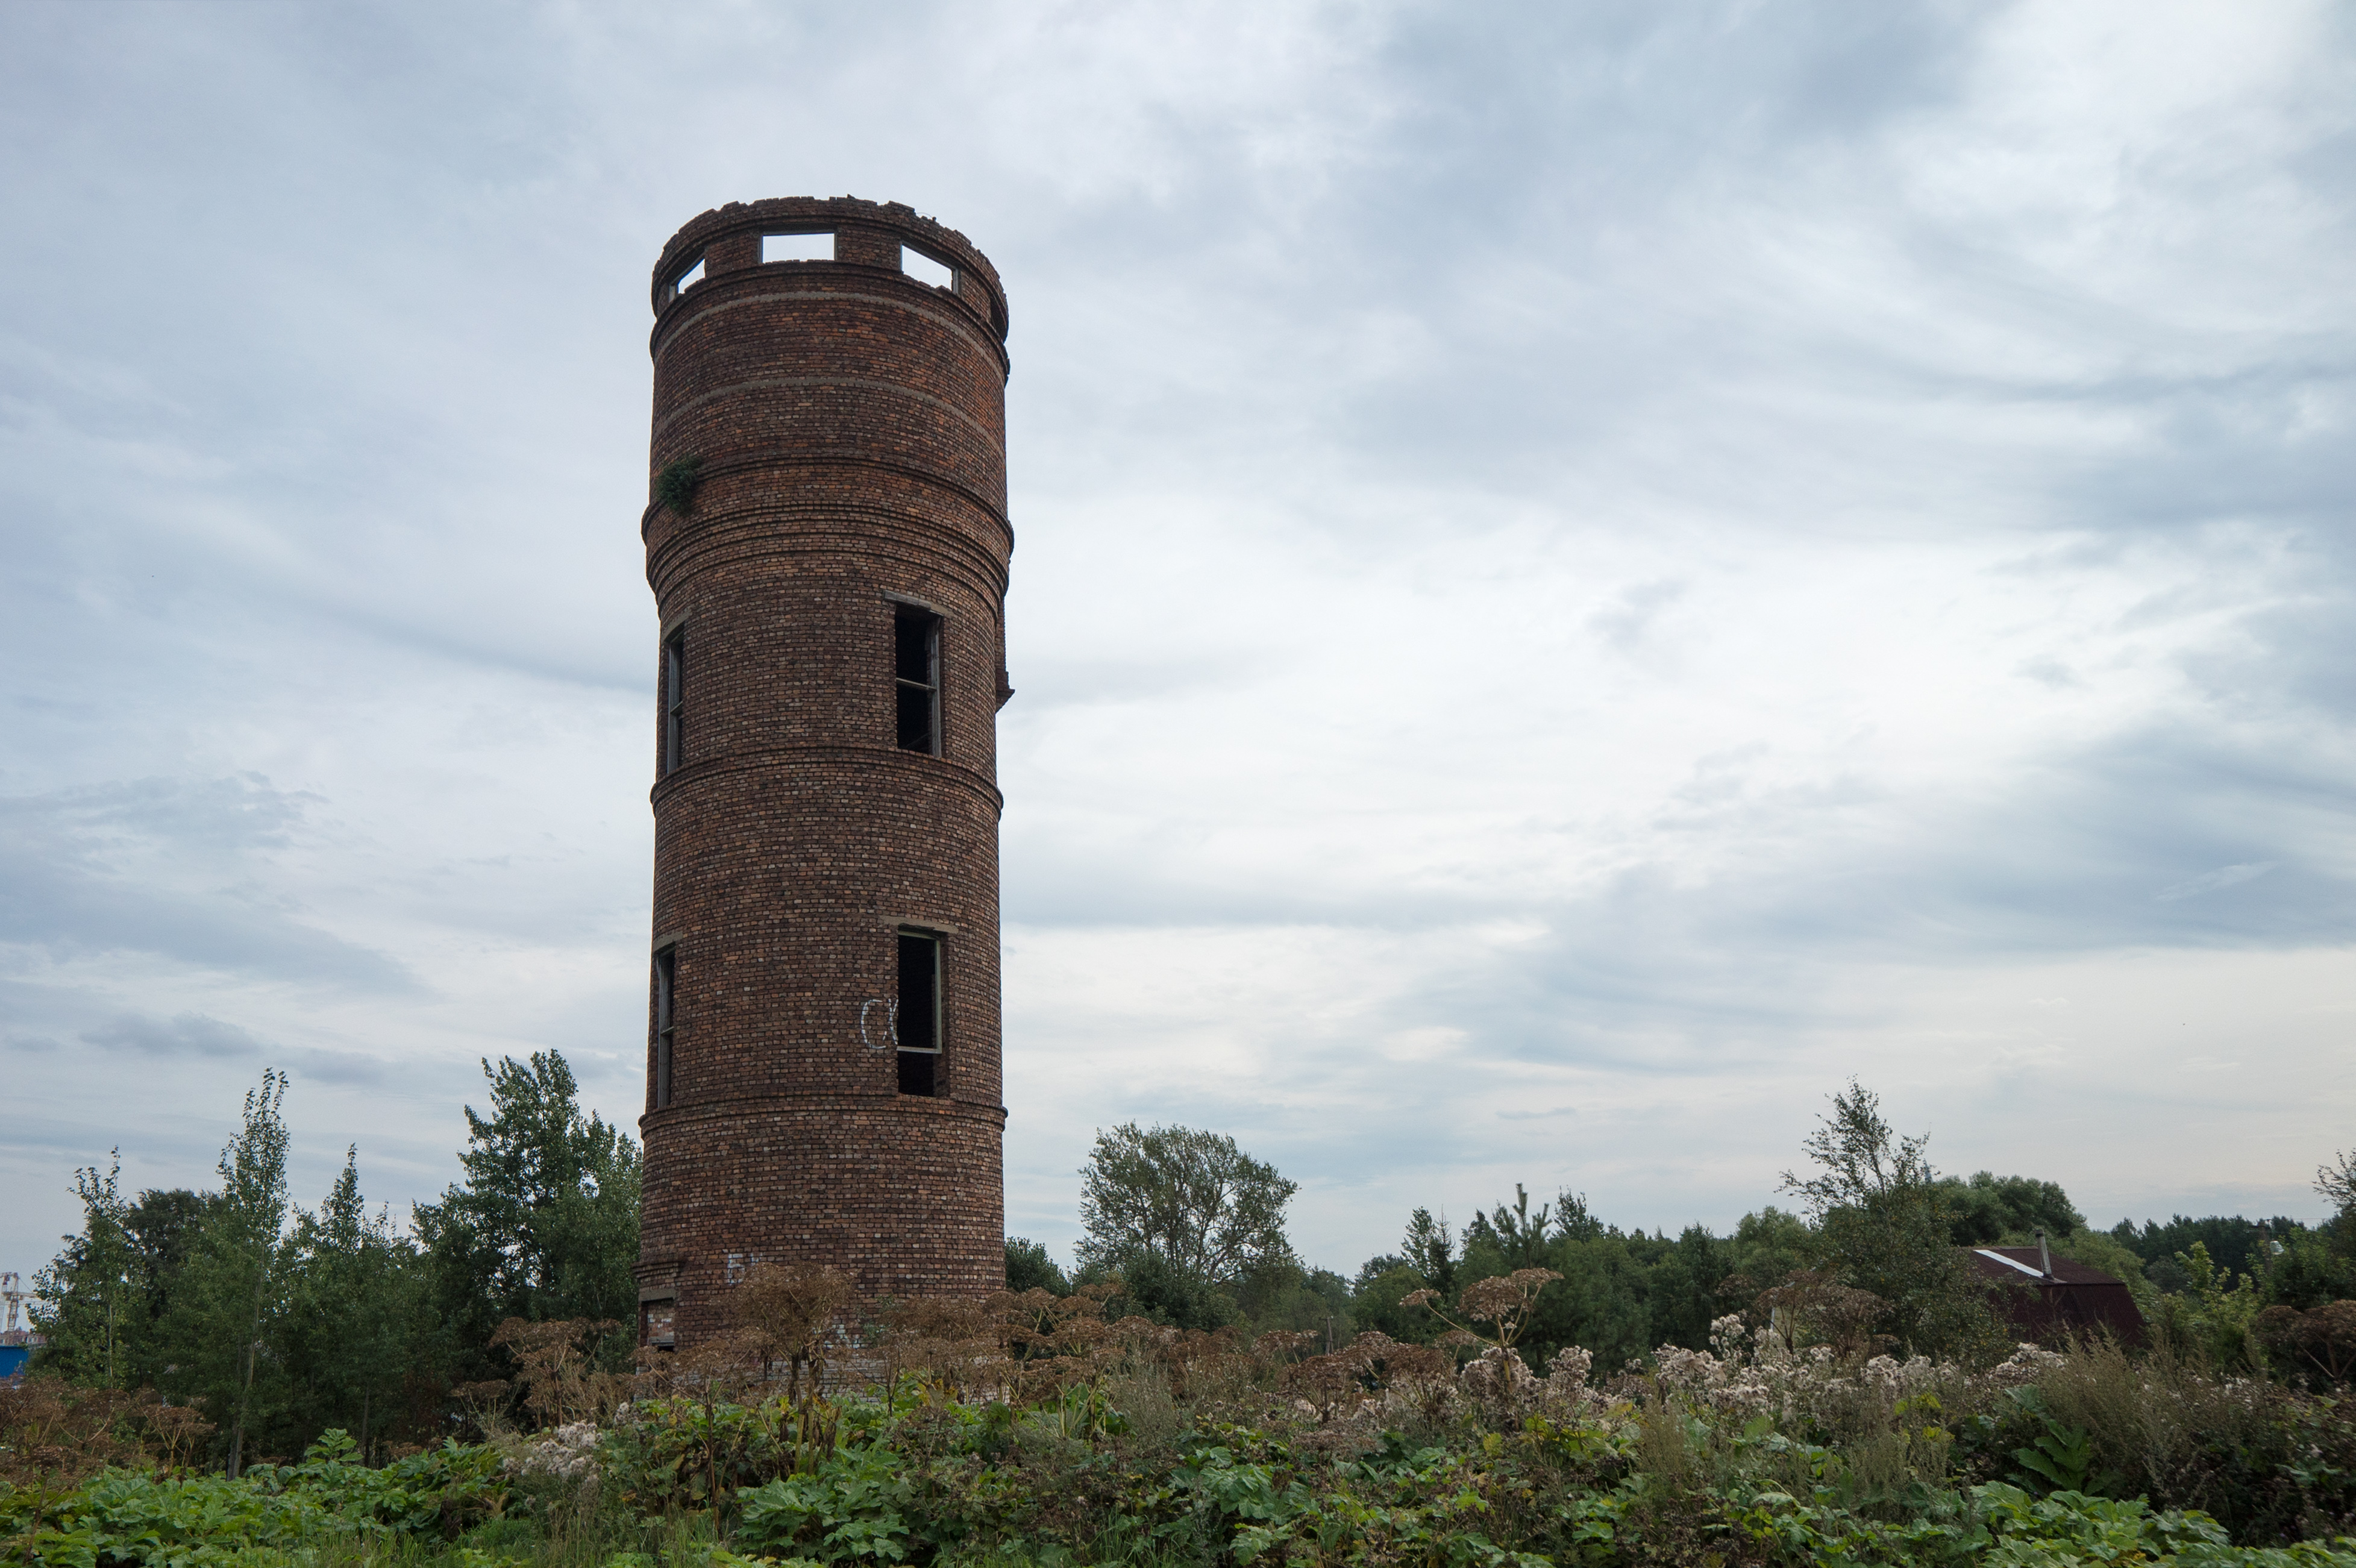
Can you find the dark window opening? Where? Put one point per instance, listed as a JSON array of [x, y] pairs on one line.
[[674, 699], [666, 1024], [919, 1017], [917, 670]]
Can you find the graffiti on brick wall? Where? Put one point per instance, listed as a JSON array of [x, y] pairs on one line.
[[890, 1025]]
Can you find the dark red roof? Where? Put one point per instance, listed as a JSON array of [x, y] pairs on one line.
[[2073, 1299]]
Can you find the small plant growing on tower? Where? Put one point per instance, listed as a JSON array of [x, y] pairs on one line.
[[675, 486]]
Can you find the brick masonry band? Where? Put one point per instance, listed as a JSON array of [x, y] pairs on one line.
[[828, 547]]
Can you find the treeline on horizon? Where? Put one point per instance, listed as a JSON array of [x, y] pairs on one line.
[[1875, 1217], [1634, 1290], [281, 1322]]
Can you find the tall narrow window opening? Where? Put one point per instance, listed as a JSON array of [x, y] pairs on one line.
[[917, 666], [919, 1017], [666, 1021], [674, 698]]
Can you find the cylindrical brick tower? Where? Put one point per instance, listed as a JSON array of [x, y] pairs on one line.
[[828, 546]]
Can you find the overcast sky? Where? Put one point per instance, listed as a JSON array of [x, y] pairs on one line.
[[1583, 573]]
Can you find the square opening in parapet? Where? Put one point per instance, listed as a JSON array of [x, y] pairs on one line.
[[924, 269], [690, 278], [798, 247]]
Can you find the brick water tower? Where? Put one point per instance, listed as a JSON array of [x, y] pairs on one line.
[[828, 547]]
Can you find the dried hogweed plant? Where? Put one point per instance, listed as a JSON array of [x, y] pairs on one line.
[[1811, 1307], [796, 1320], [557, 1374], [1505, 1302]]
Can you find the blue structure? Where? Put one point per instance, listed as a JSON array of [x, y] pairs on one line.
[[12, 1361]]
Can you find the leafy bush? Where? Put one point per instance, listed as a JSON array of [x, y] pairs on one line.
[[1380, 1453], [127, 1516]]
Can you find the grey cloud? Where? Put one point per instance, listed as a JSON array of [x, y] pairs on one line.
[[335, 1066], [2048, 670], [191, 1034], [164, 867], [1626, 623], [196, 1035], [2298, 653], [2249, 448], [2065, 859]]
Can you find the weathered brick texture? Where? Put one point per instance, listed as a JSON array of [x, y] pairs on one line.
[[850, 425]]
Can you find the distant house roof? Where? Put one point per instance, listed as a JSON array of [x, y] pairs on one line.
[[2071, 1299]]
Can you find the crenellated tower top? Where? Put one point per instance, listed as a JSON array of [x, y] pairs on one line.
[[875, 236]]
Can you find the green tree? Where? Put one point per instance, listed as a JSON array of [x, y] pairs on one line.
[[1190, 1201], [1302, 1301], [1859, 1158], [1990, 1208], [545, 1224], [2337, 1182], [2310, 1273], [1684, 1288], [1886, 1226], [1432, 1251], [350, 1320], [1029, 1267], [223, 1318], [88, 1306], [1519, 1238], [1427, 1260], [1573, 1221], [1768, 1246], [1150, 1287], [2216, 1314], [1602, 1303], [163, 1227], [2236, 1245], [1377, 1295]]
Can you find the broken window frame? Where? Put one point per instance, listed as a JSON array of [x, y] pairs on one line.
[[666, 1022], [674, 701], [919, 1016], [916, 682]]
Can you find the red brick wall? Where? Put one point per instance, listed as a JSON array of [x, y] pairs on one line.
[[850, 424]]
